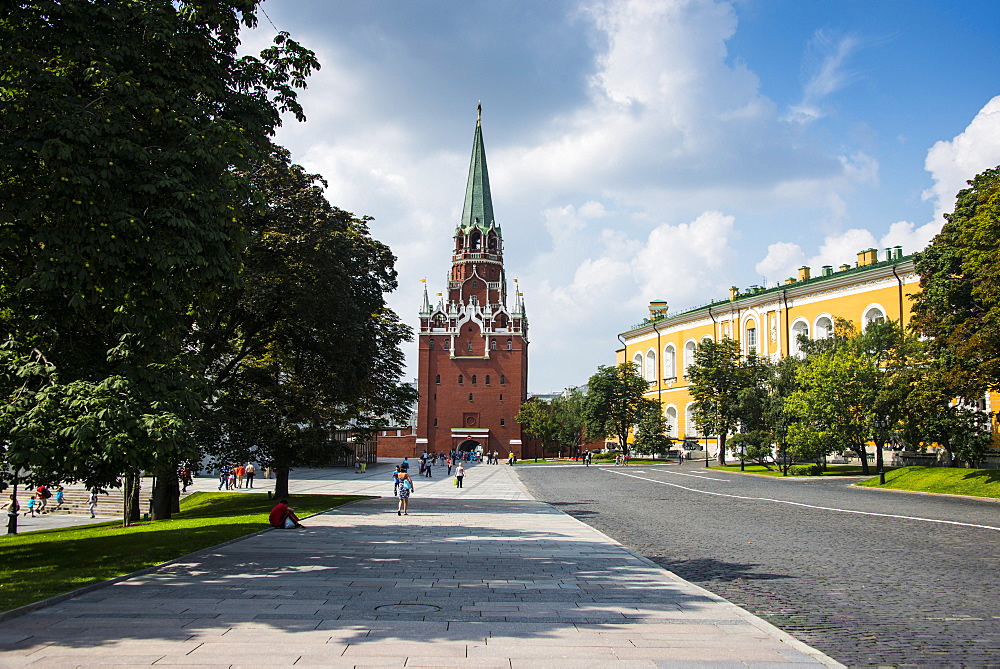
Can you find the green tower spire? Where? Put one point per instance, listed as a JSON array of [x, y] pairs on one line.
[[478, 201]]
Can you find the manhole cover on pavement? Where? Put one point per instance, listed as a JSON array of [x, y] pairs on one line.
[[407, 608]]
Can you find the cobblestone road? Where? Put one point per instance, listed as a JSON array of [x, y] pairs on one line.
[[872, 587]]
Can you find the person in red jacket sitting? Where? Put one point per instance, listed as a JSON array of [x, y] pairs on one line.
[[283, 517]]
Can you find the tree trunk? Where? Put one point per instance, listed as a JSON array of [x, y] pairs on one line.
[[863, 454], [130, 499], [280, 482], [175, 495], [722, 448], [163, 502]]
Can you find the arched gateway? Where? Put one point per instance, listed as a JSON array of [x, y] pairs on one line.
[[469, 445]]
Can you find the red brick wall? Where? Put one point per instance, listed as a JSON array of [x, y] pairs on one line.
[[493, 402]]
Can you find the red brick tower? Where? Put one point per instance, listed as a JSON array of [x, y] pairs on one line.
[[473, 369]]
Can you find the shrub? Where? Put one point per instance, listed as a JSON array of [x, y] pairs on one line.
[[806, 470]]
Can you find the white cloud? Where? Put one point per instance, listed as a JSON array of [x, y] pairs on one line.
[[825, 64], [781, 261], [952, 163]]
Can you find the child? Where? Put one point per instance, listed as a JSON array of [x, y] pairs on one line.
[[59, 498], [31, 506]]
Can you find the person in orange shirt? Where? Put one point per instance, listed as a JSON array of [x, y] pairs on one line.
[[241, 471]]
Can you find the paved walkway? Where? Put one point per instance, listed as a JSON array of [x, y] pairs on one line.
[[461, 582], [482, 481]]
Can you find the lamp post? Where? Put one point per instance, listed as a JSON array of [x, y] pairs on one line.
[[881, 427], [706, 447]]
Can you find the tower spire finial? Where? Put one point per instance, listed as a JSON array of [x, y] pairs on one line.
[[479, 110]]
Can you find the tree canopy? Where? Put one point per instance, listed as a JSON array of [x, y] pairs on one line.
[[127, 130], [958, 307], [305, 342], [615, 403]]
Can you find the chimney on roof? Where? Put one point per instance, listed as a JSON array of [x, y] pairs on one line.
[[827, 270], [867, 257], [789, 280], [899, 251], [804, 273], [845, 267], [657, 308], [734, 292]]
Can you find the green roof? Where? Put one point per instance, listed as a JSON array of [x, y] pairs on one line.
[[774, 289], [478, 208]]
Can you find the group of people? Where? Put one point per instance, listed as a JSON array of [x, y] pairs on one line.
[[494, 458], [38, 501], [402, 482], [238, 476]]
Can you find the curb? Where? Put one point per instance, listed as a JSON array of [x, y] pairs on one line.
[[56, 599], [927, 492]]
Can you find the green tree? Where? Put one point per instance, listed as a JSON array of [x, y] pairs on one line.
[[717, 378], [958, 308], [847, 385], [615, 402], [122, 123], [936, 417], [304, 343], [559, 424], [651, 431]]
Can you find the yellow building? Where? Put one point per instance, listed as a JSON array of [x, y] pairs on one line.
[[767, 321]]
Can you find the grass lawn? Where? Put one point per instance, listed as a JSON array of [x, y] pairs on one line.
[[949, 480], [42, 564], [831, 470]]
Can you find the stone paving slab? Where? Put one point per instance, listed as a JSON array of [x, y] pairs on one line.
[[460, 582]]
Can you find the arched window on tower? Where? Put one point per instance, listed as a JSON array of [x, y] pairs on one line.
[[493, 345], [476, 240], [503, 380], [461, 379], [510, 345], [491, 242], [437, 379], [446, 345], [430, 344], [459, 242], [468, 346], [487, 379], [473, 379]]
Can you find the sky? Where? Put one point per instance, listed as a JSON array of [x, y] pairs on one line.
[[643, 149]]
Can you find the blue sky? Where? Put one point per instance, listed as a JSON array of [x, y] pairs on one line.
[[644, 149]]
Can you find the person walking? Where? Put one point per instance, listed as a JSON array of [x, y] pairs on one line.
[[395, 480], [60, 497], [449, 463], [405, 488], [241, 473], [92, 503], [251, 471], [427, 470], [460, 475]]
